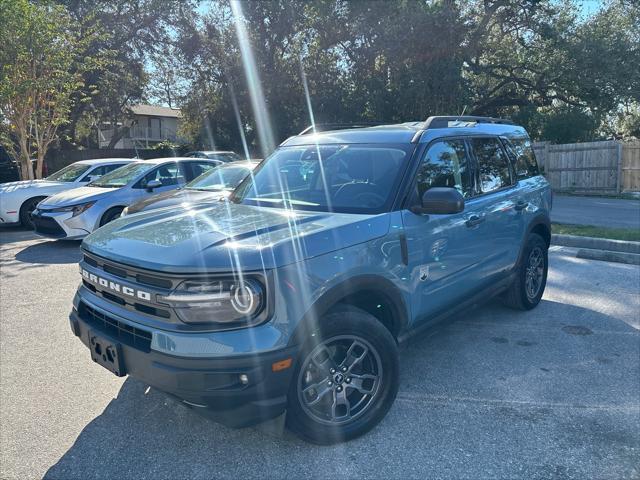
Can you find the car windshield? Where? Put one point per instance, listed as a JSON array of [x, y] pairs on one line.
[[220, 178], [70, 173], [123, 175], [352, 178]]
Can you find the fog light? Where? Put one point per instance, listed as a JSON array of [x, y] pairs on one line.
[[244, 379]]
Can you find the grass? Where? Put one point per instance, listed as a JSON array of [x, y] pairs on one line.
[[598, 232]]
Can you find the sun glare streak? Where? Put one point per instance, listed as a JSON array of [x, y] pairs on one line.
[[256, 94], [323, 178], [236, 111], [207, 126]]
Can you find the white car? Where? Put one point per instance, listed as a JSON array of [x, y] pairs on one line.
[[19, 199], [74, 214]]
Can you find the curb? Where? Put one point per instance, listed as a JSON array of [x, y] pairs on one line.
[[609, 256], [592, 243]]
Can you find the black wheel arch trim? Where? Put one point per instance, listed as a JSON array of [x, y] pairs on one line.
[[333, 297], [538, 220]]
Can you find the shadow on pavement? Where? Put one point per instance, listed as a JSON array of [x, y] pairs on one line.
[[51, 252], [491, 393]]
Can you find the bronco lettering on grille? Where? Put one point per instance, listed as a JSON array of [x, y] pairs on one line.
[[116, 287]]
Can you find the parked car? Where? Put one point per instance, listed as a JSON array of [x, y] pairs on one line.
[[222, 155], [76, 213], [211, 186], [293, 295], [19, 199]]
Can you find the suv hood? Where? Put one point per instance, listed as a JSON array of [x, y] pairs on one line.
[[76, 196], [11, 187], [224, 236], [176, 197]]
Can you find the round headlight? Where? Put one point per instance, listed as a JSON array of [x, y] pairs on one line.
[[246, 297]]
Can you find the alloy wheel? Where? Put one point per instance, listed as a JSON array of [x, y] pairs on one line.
[[534, 273], [340, 379]]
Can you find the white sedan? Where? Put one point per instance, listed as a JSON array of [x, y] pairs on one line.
[[19, 199]]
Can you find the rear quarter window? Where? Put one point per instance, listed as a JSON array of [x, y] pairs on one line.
[[521, 153]]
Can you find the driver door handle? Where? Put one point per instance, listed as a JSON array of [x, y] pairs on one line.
[[521, 205], [474, 220]]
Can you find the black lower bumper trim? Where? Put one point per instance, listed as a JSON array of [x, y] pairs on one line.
[[211, 386], [47, 226]]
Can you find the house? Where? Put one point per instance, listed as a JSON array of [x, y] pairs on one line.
[[149, 125]]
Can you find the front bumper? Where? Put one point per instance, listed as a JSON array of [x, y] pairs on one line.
[[60, 225], [211, 386]]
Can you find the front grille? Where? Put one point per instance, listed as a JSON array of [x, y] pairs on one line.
[[48, 226], [125, 333]]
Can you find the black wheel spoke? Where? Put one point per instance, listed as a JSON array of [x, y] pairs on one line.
[[341, 408], [356, 353], [322, 359], [358, 382], [317, 391]]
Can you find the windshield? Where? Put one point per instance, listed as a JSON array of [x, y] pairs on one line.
[[342, 178], [123, 175], [70, 173], [220, 178]]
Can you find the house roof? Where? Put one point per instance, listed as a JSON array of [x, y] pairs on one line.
[[156, 111]]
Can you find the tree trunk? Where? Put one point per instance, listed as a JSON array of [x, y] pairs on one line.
[[118, 133], [26, 170], [39, 165]]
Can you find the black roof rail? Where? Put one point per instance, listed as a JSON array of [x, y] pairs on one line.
[[323, 127], [443, 121]]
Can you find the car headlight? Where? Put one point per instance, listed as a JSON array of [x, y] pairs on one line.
[[76, 209], [227, 301]]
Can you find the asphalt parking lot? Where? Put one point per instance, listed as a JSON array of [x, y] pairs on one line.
[[551, 393]]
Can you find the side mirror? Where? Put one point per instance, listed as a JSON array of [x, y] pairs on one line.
[[440, 201], [153, 184], [91, 178]]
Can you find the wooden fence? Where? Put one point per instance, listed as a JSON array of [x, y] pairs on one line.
[[597, 168]]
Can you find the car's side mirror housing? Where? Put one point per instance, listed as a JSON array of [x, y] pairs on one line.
[[440, 201], [151, 184]]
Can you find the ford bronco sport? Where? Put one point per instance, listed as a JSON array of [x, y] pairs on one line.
[[293, 295]]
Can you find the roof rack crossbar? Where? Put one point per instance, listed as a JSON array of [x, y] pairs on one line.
[[322, 127], [443, 121]]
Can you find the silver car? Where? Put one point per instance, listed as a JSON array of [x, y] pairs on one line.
[[76, 213]]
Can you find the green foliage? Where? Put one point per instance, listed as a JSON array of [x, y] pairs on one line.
[[536, 61], [41, 67]]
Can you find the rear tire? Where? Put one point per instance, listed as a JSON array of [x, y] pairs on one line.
[[346, 378], [527, 290], [110, 215], [26, 209]]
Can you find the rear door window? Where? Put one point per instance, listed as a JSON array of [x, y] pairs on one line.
[[493, 164], [168, 174]]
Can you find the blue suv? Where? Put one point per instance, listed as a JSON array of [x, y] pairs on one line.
[[293, 294]]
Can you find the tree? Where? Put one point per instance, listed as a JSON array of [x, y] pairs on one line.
[[40, 67], [132, 32]]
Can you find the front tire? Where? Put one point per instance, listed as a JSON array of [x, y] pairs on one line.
[[26, 209], [346, 378], [110, 215], [527, 290]]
